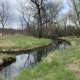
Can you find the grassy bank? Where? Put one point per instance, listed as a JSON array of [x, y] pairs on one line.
[[58, 65], [4, 55], [19, 41]]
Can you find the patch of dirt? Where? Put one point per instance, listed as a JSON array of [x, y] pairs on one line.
[[75, 65], [73, 43]]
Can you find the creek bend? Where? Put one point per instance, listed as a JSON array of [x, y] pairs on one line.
[[29, 59]]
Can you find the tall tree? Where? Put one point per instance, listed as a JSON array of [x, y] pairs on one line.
[[46, 12], [39, 8], [26, 12]]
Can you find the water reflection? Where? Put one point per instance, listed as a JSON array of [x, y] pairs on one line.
[[28, 60]]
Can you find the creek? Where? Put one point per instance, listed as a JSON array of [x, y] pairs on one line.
[[28, 60]]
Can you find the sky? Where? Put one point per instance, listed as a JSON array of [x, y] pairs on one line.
[[15, 17]]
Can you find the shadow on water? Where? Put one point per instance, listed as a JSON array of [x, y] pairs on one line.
[[29, 59]]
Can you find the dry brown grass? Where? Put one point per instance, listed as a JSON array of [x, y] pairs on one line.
[[48, 58], [75, 66], [7, 43]]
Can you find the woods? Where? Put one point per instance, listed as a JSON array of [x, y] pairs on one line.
[[41, 18]]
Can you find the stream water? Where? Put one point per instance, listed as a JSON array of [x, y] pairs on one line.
[[28, 59]]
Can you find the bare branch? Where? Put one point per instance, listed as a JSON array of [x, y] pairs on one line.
[[4, 14]]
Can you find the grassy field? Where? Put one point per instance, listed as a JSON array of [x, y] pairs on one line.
[[58, 65], [19, 41]]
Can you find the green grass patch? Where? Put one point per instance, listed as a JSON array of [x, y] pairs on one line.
[[58, 65], [1, 79], [4, 55], [18, 41]]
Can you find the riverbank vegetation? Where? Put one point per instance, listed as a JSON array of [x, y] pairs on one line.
[[18, 41], [4, 55], [58, 65]]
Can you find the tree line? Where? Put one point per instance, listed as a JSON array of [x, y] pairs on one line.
[[41, 18]]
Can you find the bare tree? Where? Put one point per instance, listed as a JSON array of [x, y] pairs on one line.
[[75, 4], [41, 13], [25, 10], [39, 8], [72, 17], [46, 12], [4, 14], [22, 24]]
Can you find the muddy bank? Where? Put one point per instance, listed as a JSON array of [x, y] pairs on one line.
[[63, 40], [7, 61], [23, 50]]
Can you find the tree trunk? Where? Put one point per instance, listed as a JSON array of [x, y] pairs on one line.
[[2, 29], [40, 23]]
